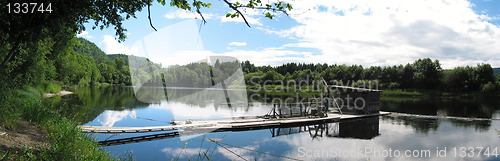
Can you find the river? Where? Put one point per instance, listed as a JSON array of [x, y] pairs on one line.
[[376, 138]]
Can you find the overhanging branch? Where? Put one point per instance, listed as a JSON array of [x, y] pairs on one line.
[[149, 16], [237, 11]]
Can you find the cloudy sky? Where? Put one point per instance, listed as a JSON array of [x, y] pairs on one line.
[[365, 32]]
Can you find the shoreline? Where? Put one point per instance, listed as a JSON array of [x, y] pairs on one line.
[[60, 93]]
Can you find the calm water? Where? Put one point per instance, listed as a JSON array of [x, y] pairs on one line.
[[376, 138]]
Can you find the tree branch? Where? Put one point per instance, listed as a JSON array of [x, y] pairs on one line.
[[12, 51], [237, 11], [149, 16], [263, 8], [201, 15]]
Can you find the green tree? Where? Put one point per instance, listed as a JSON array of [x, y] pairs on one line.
[[273, 77], [254, 78], [427, 73], [407, 74], [21, 34], [488, 88], [485, 74]]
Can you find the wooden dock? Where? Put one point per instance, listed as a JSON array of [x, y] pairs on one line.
[[233, 124]]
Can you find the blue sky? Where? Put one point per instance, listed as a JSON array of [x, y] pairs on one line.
[[365, 32]]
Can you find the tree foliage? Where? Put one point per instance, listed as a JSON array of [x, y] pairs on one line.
[[421, 74], [31, 42]]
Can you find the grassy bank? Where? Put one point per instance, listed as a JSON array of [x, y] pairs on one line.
[[435, 93], [403, 93], [308, 90], [279, 88], [65, 141]]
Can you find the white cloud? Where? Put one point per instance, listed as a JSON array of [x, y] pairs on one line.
[[389, 32], [182, 152], [108, 118], [183, 14], [273, 56], [238, 44], [209, 111], [111, 46], [250, 20], [84, 34]]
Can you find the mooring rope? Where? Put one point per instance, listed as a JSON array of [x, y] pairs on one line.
[[153, 120], [216, 142], [280, 156], [443, 117], [112, 136]]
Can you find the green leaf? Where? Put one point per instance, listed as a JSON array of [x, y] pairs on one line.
[[269, 15]]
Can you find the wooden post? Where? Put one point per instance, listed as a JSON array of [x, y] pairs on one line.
[[291, 113], [279, 110], [327, 105], [274, 110], [305, 109], [300, 109]]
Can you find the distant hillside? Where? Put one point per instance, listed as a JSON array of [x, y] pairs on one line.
[[496, 71], [113, 56], [88, 48]]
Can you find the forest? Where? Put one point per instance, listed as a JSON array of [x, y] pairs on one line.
[[81, 63], [84, 64], [422, 74]]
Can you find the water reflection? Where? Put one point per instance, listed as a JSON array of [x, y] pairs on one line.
[[313, 142], [117, 106], [108, 118], [426, 125], [366, 128], [420, 125], [87, 103], [395, 137], [460, 107], [106, 106]]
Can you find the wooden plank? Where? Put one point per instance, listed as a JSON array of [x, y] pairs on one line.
[[225, 123], [102, 129]]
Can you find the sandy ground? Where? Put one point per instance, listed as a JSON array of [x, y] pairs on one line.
[[61, 93], [24, 134]]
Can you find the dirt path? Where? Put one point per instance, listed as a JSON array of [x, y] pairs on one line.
[[24, 134]]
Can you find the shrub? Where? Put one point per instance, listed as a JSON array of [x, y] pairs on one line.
[[488, 88]]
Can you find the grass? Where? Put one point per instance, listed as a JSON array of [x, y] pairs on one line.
[[435, 93], [105, 84], [48, 87], [66, 140], [400, 92], [279, 88]]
